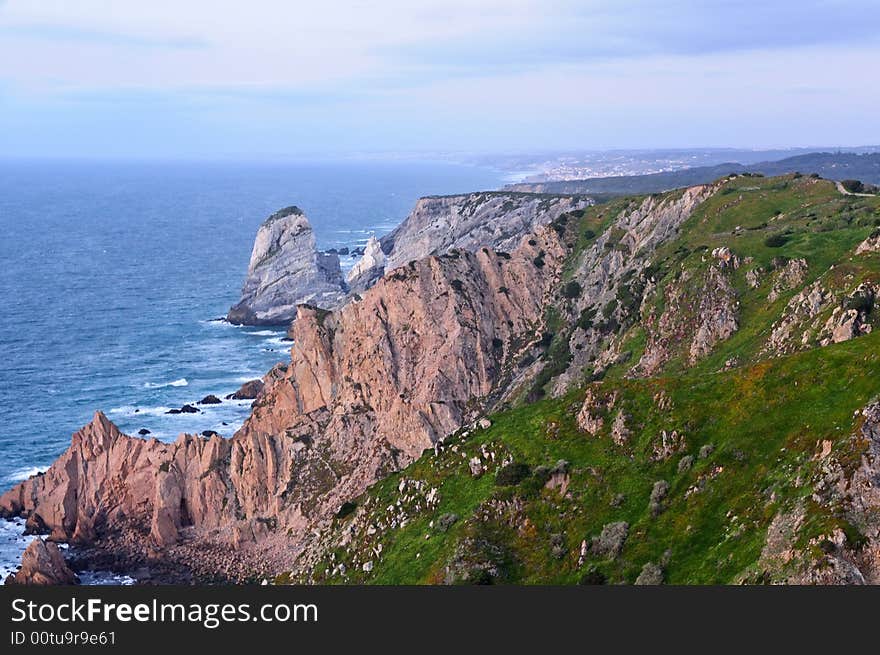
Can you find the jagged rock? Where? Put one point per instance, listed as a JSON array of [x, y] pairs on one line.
[[791, 331], [143, 432], [666, 445], [348, 409], [287, 270], [610, 542], [726, 257], [685, 463], [699, 313], [789, 276], [652, 574], [42, 564], [589, 418], [248, 391], [210, 399], [706, 450], [369, 268], [718, 314], [871, 244], [476, 466], [621, 253], [620, 433], [754, 277], [468, 222]]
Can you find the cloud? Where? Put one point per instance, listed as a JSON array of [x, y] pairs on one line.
[[60, 33], [276, 77]]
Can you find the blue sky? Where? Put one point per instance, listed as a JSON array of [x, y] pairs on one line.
[[269, 79]]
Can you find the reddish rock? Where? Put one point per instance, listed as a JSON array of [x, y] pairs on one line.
[[42, 564]]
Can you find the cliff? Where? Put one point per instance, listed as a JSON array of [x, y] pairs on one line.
[[286, 270], [368, 388], [645, 425], [497, 220], [369, 268]]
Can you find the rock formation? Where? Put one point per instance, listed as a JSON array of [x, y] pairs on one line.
[[368, 388], [286, 270], [496, 220], [370, 267], [42, 564]]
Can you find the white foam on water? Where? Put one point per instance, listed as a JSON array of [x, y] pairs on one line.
[[25, 473], [264, 333], [134, 410], [182, 382]]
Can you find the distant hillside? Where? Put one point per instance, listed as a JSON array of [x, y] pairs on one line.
[[833, 166]]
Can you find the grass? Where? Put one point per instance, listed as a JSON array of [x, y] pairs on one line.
[[763, 420]]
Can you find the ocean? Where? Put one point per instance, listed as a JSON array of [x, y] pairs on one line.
[[112, 274]]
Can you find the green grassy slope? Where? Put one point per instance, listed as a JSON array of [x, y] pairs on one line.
[[747, 447]]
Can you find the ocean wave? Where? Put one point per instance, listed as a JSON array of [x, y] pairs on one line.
[[182, 382], [264, 333], [134, 410], [25, 473], [287, 342]]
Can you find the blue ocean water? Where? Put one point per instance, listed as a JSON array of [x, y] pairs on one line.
[[111, 273]]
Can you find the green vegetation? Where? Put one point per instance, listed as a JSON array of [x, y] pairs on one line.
[[687, 469]]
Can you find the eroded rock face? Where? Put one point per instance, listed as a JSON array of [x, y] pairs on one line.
[[368, 388], [698, 313], [286, 270], [620, 257], [370, 267], [495, 220], [42, 564]]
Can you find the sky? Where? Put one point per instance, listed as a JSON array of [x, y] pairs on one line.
[[292, 79]]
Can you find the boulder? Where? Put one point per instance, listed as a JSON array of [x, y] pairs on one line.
[[248, 391], [210, 399], [42, 564]]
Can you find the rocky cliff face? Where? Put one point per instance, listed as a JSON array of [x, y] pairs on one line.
[[286, 270], [367, 389], [369, 268], [496, 220]]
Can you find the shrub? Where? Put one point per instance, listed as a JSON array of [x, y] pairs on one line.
[[458, 285], [775, 240], [853, 186], [497, 343], [347, 509], [593, 577], [512, 474], [860, 302], [572, 290], [589, 235], [539, 261]]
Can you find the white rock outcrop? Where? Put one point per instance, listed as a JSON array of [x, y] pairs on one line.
[[287, 270]]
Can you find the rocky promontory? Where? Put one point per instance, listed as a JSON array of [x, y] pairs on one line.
[[496, 220], [286, 270]]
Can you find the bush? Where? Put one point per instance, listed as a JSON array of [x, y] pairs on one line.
[[593, 577], [458, 285], [776, 241], [853, 186], [862, 303], [589, 235], [347, 509], [538, 261], [572, 290], [512, 474]]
